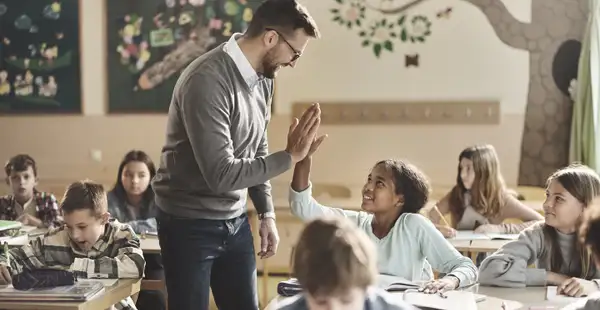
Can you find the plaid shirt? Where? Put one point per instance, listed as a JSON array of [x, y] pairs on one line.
[[46, 208], [117, 254]]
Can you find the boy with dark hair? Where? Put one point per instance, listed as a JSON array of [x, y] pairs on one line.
[[336, 265], [27, 204], [89, 244]]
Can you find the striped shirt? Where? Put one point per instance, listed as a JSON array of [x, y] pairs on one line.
[[116, 254]]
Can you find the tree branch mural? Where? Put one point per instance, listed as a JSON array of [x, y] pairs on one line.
[[555, 24], [382, 25]]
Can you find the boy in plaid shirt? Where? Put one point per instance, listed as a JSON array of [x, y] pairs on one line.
[[26, 204], [89, 244]]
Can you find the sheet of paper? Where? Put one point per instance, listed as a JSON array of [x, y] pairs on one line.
[[552, 295], [106, 282], [469, 235]]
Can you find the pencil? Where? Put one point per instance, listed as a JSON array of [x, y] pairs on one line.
[[441, 216]]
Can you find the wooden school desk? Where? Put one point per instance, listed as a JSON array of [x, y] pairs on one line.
[[113, 294]]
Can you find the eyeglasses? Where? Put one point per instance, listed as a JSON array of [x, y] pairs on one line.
[[297, 54]]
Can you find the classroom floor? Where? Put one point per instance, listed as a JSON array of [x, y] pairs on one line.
[[272, 293]]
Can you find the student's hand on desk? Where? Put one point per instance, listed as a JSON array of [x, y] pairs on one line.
[[447, 283], [269, 238], [576, 287], [5, 277]]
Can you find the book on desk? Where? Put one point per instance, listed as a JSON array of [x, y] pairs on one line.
[[80, 291]]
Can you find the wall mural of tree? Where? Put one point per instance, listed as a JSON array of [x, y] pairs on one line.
[[551, 39], [382, 24]]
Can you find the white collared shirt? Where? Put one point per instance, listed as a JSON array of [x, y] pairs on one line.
[[235, 52]]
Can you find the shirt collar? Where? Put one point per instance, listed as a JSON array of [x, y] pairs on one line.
[[241, 62]]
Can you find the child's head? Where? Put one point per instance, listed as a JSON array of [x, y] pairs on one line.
[[479, 174], [335, 263], [135, 173], [85, 210], [590, 230], [568, 192], [394, 187], [21, 175]]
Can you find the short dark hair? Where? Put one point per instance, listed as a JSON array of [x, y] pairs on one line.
[[410, 182], [284, 16], [333, 256], [20, 163], [85, 195]]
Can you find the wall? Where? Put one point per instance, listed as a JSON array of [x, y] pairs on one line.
[[462, 59]]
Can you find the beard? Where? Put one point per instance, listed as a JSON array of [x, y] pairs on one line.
[[270, 66]]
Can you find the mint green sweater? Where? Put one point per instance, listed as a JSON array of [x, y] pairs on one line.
[[409, 250]]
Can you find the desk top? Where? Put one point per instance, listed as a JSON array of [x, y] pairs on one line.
[[113, 294]]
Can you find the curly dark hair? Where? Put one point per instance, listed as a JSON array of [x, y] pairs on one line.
[[410, 182]]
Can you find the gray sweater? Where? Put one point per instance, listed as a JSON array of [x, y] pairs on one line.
[[377, 299], [508, 267], [216, 149]]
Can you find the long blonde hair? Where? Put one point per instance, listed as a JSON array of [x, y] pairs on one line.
[[584, 184], [488, 190]]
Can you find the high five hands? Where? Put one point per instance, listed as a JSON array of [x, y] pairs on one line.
[[302, 135]]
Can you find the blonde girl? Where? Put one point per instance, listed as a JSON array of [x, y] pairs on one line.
[[480, 200], [562, 260]]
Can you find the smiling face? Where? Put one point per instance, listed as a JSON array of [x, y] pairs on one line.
[[282, 51], [379, 192], [561, 209]]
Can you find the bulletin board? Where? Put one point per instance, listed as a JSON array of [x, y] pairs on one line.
[[40, 69], [151, 41]]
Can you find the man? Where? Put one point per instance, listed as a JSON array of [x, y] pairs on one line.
[[216, 154]]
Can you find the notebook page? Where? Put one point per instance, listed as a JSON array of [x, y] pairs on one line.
[[453, 300], [552, 295], [469, 235]]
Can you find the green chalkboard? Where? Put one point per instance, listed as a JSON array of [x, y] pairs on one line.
[[151, 41], [40, 70]]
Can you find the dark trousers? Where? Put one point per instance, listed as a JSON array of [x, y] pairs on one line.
[[152, 300], [200, 254]]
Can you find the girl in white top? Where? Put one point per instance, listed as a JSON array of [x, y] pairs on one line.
[[407, 242]]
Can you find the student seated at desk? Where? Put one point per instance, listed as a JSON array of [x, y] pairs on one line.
[[553, 244], [336, 265], [27, 204], [590, 236], [131, 201], [89, 244], [406, 241], [480, 200]]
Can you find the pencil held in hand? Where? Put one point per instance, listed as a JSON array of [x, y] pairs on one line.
[[441, 216]]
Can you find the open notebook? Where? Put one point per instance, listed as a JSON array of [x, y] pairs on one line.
[[80, 291], [470, 235], [451, 300]]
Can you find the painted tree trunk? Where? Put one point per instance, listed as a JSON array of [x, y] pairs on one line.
[[545, 140]]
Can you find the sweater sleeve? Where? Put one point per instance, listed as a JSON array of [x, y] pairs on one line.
[[205, 111], [513, 208], [440, 253], [508, 267], [305, 207]]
